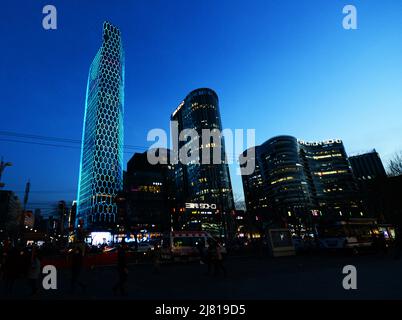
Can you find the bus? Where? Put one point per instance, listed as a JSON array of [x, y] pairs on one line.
[[354, 234]]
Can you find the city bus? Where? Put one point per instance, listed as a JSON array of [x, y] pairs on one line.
[[354, 234]]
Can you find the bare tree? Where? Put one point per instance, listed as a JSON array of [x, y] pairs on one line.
[[395, 165]]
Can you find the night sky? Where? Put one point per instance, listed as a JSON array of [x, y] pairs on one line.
[[281, 67]]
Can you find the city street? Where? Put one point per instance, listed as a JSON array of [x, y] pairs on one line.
[[305, 277]]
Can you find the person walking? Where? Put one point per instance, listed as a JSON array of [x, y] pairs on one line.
[[122, 269], [77, 263], [156, 259], [34, 272], [11, 262], [398, 242], [210, 256], [218, 261], [200, 245]]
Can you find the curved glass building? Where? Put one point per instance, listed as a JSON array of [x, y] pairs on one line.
[[300, 181], [286, 184], [204, 191], [101, 165]]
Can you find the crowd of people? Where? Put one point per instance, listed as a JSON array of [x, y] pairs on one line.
[[20, 263], [212, 256], [23, 264]]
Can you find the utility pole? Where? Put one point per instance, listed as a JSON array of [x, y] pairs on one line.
[[22, 220]]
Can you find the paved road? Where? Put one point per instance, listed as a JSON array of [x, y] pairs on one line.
[[305, 277]]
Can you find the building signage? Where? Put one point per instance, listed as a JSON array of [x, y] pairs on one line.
[[320, 143], [203, 206]]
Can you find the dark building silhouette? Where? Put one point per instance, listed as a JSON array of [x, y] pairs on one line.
[[367, 166], [372, 182], [63, 217], [72, 215], [204, 192], [146, 201], [255, 197], [10, 213]]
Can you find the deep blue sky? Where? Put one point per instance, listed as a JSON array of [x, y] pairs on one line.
[[281, 67]]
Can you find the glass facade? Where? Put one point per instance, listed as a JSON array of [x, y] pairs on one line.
[[286, 184], [367, 166], [202, 183], [148, 188], [255, 196], [101, 165], [295, 181], [333, 186]]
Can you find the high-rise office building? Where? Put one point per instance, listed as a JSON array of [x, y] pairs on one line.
[[255, 197], [101, 166], [367, 166], [286, 184], [148, 190], [299, 181], [372, 183], [204, 192], [333, 186]]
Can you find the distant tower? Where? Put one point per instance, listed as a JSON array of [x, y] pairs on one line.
[[101, 165]]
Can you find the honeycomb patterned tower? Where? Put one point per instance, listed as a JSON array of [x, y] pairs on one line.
[[101, 165]]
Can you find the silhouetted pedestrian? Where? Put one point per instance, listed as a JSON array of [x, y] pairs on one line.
[[77, 263], [398, 242], [382, 243], [122, 269], [218, 261], [11, 269], [210, 256], [156, 259], [34, 272], [201, 250]]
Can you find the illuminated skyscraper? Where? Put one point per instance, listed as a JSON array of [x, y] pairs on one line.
[[101, 165], [204, 190]]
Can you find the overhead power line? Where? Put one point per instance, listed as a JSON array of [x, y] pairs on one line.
[[55, 139], [76, 144]]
